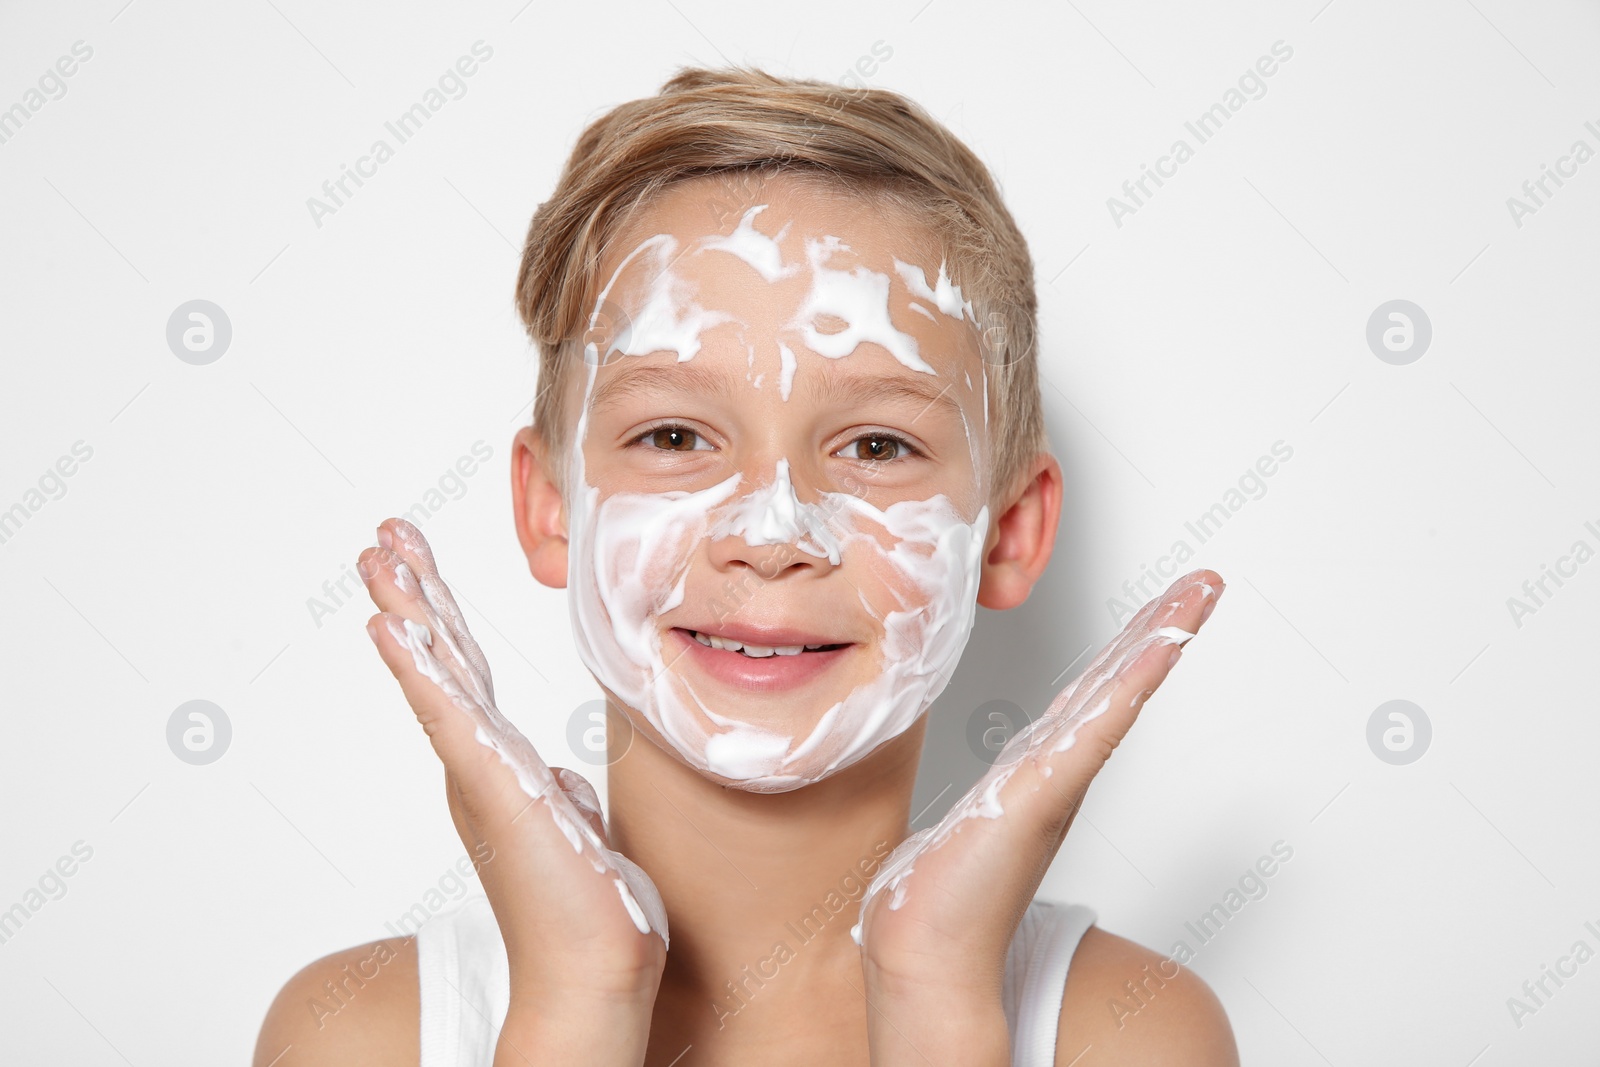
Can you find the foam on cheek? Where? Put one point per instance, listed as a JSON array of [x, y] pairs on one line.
[[631, 556], [631, 552], [933, 565], [928, 557], [629, 562]]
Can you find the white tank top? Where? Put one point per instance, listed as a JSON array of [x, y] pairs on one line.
[[466, 986]]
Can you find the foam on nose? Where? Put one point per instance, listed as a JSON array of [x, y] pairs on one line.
[[631, 553], [774, 515]]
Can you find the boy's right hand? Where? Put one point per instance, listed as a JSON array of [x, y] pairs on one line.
[[583, 926]]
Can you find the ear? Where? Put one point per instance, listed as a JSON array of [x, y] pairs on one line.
[[1022, 539], [540, 513]]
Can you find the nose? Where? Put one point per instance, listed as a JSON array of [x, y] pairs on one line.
[[786, 560], [771, 531]]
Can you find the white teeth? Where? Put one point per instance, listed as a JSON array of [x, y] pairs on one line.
[[754, 651]]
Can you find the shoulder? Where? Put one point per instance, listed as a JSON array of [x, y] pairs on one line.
[[1125, 1004], [359, 1005]]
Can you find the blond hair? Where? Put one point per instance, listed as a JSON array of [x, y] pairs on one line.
[[739, 123]]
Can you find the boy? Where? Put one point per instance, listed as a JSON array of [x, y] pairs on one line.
[[788, 436]]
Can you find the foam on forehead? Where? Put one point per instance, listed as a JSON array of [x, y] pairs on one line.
[[667, 315], [763, 253], [665, 319], [667, 312], [631, 553]]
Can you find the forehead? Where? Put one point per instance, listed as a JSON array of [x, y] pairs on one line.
[[746, 265], [812, 205]]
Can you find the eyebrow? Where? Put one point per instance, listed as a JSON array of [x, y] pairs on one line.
[[828, 387], [685, 377], [862, 389]]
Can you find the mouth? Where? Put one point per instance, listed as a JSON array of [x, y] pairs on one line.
[[760, 651], [761, 661]]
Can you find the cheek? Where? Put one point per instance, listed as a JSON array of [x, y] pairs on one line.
[[918, 567], [635, 555], [641, 552], [891, 575]]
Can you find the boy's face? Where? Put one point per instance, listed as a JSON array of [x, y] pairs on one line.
[[781, 441]]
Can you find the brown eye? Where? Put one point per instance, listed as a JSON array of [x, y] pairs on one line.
[[877, 448], [675, 439]]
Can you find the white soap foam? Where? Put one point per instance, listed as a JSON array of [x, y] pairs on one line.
[[1055, 731], [627, 550], [639, 895]]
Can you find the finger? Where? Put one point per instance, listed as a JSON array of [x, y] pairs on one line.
[[1101, 710], [471, 739], [488, 795], [1134, 667], [404, 538], [1156, 613], [476, 744], [1037, 783], [583, 798], [449, 714], [396, 588]]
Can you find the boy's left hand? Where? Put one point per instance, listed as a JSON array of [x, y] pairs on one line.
[[939, 916]]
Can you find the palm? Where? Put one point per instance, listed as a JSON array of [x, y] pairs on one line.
[[948, 898], [564, 900]]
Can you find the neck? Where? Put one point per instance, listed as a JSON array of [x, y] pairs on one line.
[[742, 873]]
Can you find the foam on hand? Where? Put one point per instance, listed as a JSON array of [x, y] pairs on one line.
[[440, 658], [1084, 699]]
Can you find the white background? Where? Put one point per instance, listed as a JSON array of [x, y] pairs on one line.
[[1228, 313]]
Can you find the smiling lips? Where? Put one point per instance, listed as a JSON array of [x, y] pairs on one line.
[[761, 660]]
